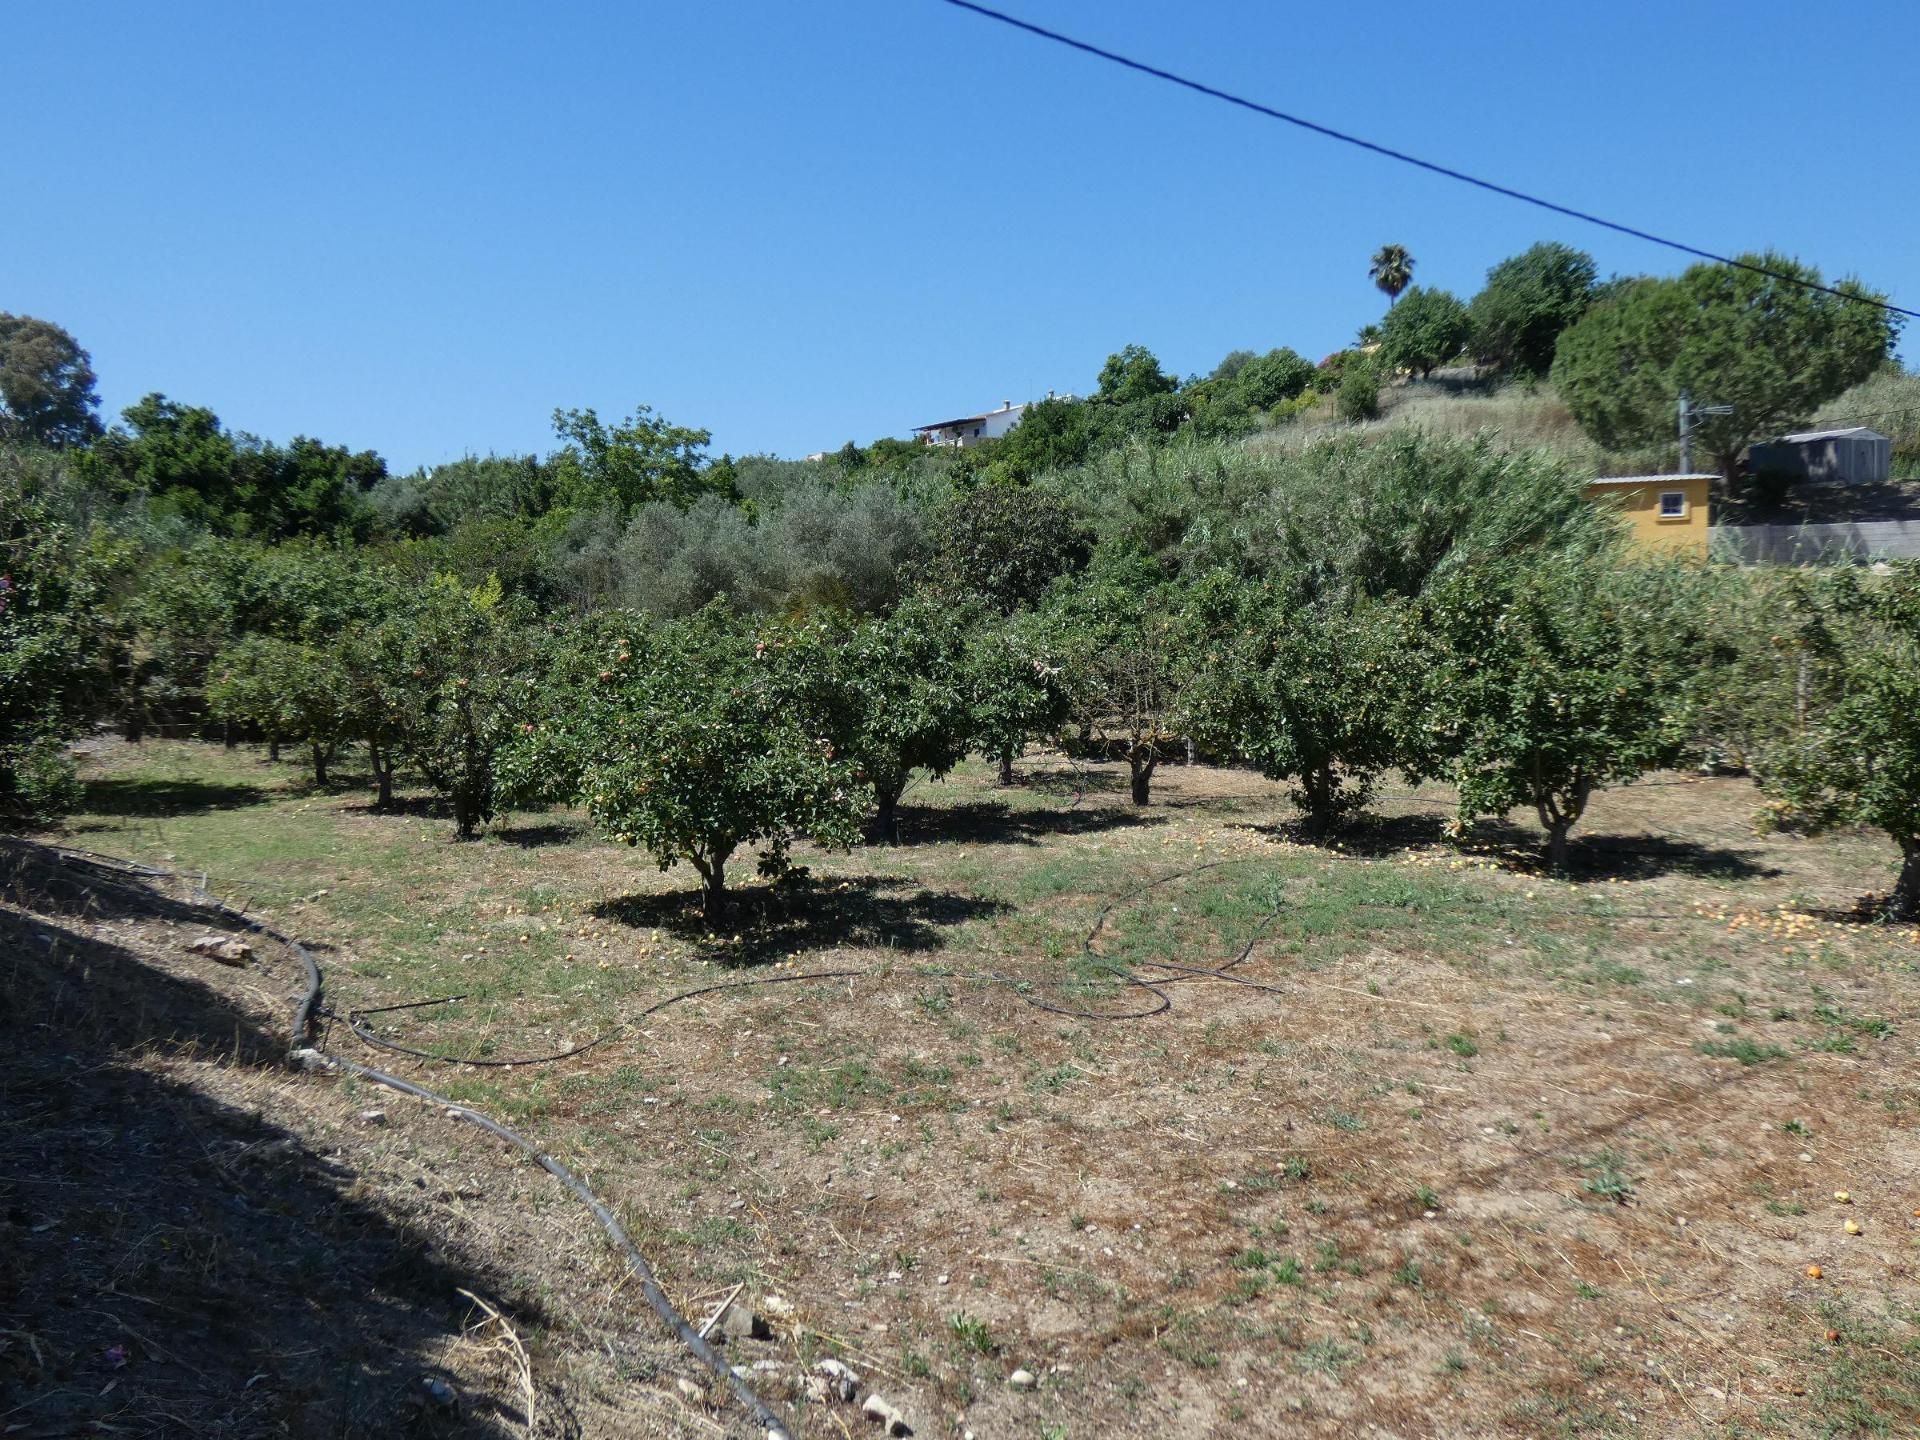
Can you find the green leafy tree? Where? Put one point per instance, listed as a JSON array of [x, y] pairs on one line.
[[1846, 646], [459, 668], [682, 742], [1528, 301], [1053, 434], [286, 689], [1014, 689], [644, 457], [887, 691], [1316, 693], [46, 384], [1118, 640], [53, 584], [1004, 545], [1391, 271], [1359, 395], [1549, 682], [1771, 349], [1133, 373], [1429, 330]]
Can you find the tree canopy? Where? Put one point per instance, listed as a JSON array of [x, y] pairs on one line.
[[46, 384], [1425, 328], [1773, 350], [1528, 301]]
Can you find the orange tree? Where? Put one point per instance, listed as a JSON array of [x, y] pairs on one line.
[[889, 693], [1848, 750], [679, 740], [1551, 681]]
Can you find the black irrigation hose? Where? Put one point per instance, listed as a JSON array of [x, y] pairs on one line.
[[305, 1054]]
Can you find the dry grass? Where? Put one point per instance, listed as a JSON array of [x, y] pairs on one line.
[[1488, 1152]]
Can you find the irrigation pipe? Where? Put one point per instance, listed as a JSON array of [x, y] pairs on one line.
[[305, 1054]]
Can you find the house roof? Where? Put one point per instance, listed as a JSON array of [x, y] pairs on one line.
[[1851, 431], [972, 419], [1647, 479]]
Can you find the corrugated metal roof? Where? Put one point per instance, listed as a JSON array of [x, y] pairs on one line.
[[1853, 430], [1647, 479]]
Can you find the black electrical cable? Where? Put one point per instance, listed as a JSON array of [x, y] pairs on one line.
[[1213, 92]]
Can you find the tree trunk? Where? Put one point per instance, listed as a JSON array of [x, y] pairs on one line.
[[320, 755], [1142, 779], [273, 748], [133, 726], [1904, 904], [1557, 842], [1317, 786], [886, 796], [382, 764], [713, 888], [1006, 767], [465, 820], [227, 737]]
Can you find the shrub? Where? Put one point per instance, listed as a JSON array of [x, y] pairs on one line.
[[1359, 394]]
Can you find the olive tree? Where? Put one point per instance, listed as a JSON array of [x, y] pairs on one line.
[[1548, 683], [1848, 751]]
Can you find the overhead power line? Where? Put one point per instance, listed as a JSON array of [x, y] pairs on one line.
[[1215, 93]]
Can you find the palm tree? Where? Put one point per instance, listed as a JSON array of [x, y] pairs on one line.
[[1392, 270]]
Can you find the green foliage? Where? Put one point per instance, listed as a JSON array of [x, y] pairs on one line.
[[53, 637], [1310, 692], [1003, 546], [286, 689], [1424, 328], [456, 674], [1116, 635], [682, 742], [1549, 682], [1359, 395], [1772, 350], [1131, 374], [234, 484], [641, 459], [1529, 300], [46, 384], [1053, 434], [888, 693], [1013, 685], [1391, 270], [1847, 647]]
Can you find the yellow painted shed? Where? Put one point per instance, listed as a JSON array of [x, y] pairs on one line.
[[1666, 512]]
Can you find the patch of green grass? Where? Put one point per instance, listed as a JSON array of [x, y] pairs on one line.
[[1328, 1357], [1465, 1046], [972, 1332], [1746, 1050], [1609, 1178]]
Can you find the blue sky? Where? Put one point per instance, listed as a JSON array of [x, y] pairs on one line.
[[420, 227]]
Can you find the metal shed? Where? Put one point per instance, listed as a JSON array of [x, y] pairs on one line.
[[1856, 456]]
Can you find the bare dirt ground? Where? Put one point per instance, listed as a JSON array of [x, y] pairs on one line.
[[1464, 1150]]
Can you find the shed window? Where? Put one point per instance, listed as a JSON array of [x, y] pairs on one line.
[[1673, 504]]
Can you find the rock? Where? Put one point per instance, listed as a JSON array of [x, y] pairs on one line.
[[1021, 1380], [372, 1117], [438, 1392], [884, 1415], [737, 1322], [840, 1380], [222, 948], [777, 1306]]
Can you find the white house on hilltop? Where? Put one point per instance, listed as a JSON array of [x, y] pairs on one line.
[[971, 429]]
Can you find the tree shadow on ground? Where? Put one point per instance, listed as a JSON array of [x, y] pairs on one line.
[[176, 1264], [126, 796], [994, 822], [1070, 782], [1518, 848], [802, 913], [534, 837]]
